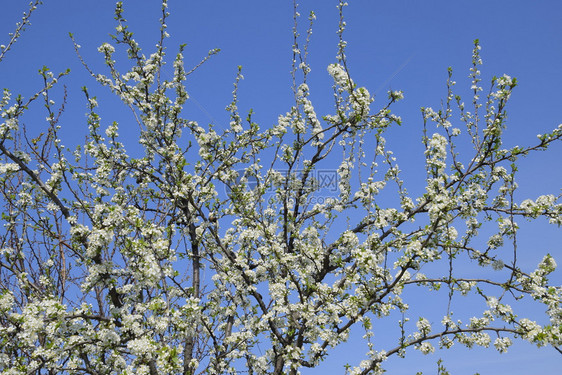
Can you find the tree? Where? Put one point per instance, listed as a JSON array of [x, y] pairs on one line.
[[103, 247]]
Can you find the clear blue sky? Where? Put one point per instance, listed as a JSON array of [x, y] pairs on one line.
[[403, 45]]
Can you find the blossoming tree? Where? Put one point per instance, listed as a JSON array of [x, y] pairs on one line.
[[104, 248]]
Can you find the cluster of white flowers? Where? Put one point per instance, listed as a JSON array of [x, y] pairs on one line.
[[542, 204], [368, 190], [344, 172], [106, 48], [506, 81], [426, 347], [340, 76], [141, 347], [424, 327], [502, 344], [302, 97], [361, 102], [6, 301], [7, 168], [437, 150]]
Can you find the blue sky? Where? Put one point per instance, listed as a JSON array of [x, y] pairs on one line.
[[401, 45]]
